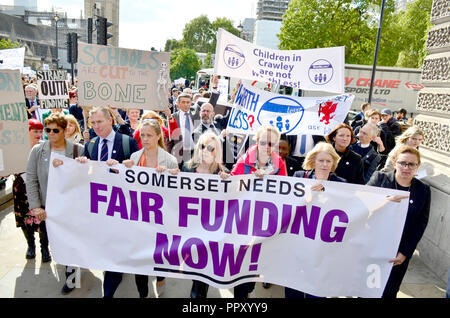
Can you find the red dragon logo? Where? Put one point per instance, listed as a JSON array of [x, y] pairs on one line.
[[327, 109]]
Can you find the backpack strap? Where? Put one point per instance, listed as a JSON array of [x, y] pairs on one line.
[[126, 145], [75, 151]]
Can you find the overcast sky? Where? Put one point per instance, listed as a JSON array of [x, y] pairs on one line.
[[147, 23]]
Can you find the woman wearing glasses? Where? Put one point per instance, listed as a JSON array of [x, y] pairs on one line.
[[207, 158], [406, 161], [260, 159], [37, 173], [152, 155]]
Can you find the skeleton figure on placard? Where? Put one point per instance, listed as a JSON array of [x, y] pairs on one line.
[[163, 83]]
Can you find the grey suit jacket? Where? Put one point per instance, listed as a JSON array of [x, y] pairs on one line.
[[37, 171], [164, 158]]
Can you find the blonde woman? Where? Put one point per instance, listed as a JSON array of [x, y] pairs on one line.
[[73, 131], [152, 155], [412, 137]]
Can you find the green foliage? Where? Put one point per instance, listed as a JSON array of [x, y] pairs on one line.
[[198, 34], [184, 62], [354, 24], [8, 44], [208, 61], [172, 44]]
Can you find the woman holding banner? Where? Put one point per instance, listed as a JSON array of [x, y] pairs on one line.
[[24, 219], [207, 159], [406, 161], [152, 155], [320, 164], [260, 159], [351, 166], [37, 173]]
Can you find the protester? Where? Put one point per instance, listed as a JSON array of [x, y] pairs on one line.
[[373, 116], [24, 219], [260, 159], [351, 166], [37, 174], [292, 165], [166, 133], [133, 115], [401, 115], [358, 120], [185, 118], [392, 129], [412, 137], [75, 109], [406, 161], [112, 147], [73, 131], [32, 102], [207, 158], [152, 155], [319, 164], [364, 148]]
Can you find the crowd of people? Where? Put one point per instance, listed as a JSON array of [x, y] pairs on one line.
[[190, 137]]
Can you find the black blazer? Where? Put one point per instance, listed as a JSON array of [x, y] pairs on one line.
[[292, 165], [292, 140], [351, 167], [117, 152], [27, 103], [310, 175], [418, 209]]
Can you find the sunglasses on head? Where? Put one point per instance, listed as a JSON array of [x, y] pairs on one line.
[[265, 143], [209, 148], [55, 130]]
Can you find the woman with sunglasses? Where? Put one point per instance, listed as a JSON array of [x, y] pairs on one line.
[[152, 155], [207, 158], [351, 166], [406, 161], [38, 167], [260, 159]]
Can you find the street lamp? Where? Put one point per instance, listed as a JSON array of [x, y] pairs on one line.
[[240, 28], [56, 32]]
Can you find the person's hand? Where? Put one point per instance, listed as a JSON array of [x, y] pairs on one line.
[[398, 260], [224, 175], [317, 187], [39, 213], [82, 160], [174, 171], [111, 162], [260, 173], [224, 133], [57, 162], [33, 108], [161, 169], [397, 198], [167, 112], [215, 81], [128, 163]]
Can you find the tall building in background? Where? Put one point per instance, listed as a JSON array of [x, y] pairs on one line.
[[108, 9], [269, 14], [27, 4]]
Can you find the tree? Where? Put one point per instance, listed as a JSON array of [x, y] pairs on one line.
[[225, 24], [414, 24], [208, 61], [8, 44], [172, 44], [184, 62], [198, 34], [311, 24]]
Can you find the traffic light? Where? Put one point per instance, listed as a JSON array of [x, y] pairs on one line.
[[102, 31], [90, 26], [72, 47]]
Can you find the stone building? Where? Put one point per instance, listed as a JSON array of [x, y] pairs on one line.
[[108, 9], [433, 106]]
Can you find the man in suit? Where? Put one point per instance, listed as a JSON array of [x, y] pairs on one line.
[[32, 102], [187, 118], [108, 145], [302, 144], [207, 123]]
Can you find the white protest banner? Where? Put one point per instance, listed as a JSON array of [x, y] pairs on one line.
[[14, 140], [314, 69], [224, 232], [291, 115], [53, 89], [12, 59], [124, 78]]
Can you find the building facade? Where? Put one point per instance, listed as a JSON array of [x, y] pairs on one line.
[[108, 9], [269, 15]]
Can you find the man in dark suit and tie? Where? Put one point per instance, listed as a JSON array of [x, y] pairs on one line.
[[108, 145], [302, 144], [32, 102]]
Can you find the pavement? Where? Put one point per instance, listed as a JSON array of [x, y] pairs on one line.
[[22, 278]]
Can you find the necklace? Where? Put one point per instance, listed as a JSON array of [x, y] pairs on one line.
[[397, 185]]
